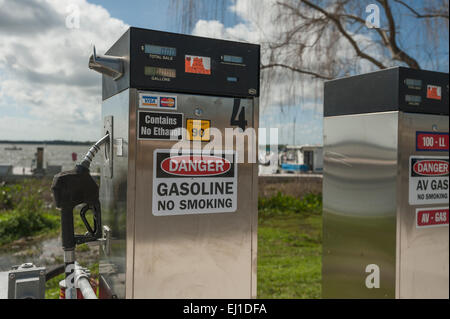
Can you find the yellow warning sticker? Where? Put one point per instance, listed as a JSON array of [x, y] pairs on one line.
[[198, 130]]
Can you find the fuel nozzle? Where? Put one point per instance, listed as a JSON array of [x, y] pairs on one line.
[[72, 188], [76, 187]]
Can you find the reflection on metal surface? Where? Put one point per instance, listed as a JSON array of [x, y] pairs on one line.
[[109, 65], [113, 195], [367, 218], [359, 201]]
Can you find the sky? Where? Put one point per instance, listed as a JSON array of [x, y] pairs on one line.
[[47, 91]]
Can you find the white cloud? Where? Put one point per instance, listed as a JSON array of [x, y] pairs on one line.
[[44, 72]]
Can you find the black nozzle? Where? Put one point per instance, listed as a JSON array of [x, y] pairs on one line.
[[72, 188]]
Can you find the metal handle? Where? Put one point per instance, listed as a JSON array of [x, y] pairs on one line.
[[93, 233], [83, 212]]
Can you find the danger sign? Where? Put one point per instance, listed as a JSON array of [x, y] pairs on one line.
[[432, 217], [194, 183], [428, 180]]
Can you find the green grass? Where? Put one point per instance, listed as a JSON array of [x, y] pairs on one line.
[[27, 210], [52, 287], [289, 247]]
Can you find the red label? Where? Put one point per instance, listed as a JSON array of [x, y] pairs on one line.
[[431, 168], [427, 141], [434, 92], [432, 217], [195, 165], [197, 64]]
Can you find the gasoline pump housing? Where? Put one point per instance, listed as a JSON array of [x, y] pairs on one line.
[[385, 185], [177, 224]]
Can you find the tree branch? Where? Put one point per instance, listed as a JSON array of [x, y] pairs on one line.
[[280, 65], [397, 53], [381, 32], [420, 15], [335, 19]]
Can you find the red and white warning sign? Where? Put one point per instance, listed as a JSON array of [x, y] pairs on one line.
[[194, 183], [428, 180], [434, 92], [432, 217]]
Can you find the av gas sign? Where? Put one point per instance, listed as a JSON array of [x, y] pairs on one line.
[[428, 180]]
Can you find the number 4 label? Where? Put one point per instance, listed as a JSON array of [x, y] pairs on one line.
[[238, 115]]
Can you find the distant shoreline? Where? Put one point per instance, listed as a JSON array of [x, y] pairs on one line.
[[55, 142]]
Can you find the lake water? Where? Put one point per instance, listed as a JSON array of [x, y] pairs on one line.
[[53, 155], [40, 252]]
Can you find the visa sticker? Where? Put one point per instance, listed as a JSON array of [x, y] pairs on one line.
[[169, 102], [146, 100]]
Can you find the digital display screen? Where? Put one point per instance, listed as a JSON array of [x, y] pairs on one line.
[[164, 72], [413, 83], [232, 59], [415, 99], [159, 50]]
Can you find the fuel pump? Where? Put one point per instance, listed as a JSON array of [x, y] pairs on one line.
[[70, 189], [178, 225], [385, 185]]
